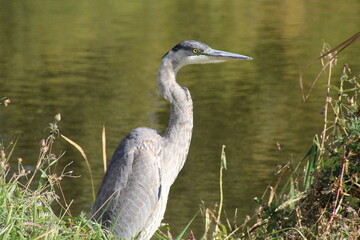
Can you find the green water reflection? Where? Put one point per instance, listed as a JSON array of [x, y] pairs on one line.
[[96, 63]]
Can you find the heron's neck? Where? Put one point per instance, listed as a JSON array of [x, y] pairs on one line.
[[178, 134]]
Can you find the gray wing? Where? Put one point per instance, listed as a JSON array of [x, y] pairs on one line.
[[131, 186]]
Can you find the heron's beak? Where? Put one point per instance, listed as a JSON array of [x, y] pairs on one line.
[[218, 55]]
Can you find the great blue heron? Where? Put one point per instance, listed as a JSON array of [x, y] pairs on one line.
[[132, 197]]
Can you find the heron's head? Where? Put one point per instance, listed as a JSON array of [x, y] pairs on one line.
[[194, 52]]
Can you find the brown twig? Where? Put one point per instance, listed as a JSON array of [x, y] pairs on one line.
[[333, 53]]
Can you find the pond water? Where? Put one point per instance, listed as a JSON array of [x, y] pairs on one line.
[[95, 62]]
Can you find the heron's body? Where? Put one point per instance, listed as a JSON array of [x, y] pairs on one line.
[[132, 197]]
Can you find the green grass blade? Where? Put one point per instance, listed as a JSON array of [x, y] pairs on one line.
[[312, 155], [12, 150], [186, 228]]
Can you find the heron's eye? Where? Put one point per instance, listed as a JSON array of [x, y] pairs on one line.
[[195, 50]]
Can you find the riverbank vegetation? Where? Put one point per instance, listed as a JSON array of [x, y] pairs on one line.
[[27, 196], [316, 197]]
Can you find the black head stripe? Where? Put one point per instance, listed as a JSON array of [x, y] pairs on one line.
[[189, 45]]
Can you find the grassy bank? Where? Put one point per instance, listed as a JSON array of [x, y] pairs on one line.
[[27, 197], [316, 197]]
